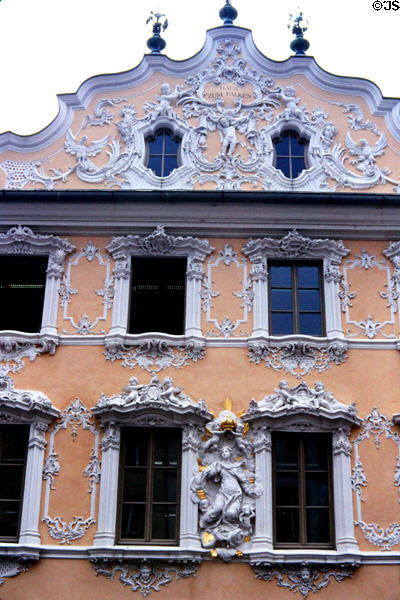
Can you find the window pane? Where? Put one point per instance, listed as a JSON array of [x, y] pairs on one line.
[[158, 295], [310, 323], [156, 145], [287, 525], [284, 165], [286, 452], [318, 531], [11, 482], [170, 163], [136, 448], [132, 522], [309, 300], [281, 323], [308, 276], [317, 489], [281, 276], [155, 164], [14, 441], [287, 489], [281, 299], [164, 522], [166, 448], [171, 145], [134, 485], [22, 284], [298, 146], [316, 452], [9, 518], [282, 146], [298, 165], [165, 481]]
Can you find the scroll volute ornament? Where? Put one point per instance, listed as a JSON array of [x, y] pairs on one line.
[[224, 488]]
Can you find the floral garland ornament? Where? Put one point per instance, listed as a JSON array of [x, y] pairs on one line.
[[303, 578], [224, 488], [74, 416], [145, 575], [376, 425]]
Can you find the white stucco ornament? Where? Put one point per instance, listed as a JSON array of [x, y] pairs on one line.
[[224, 487]]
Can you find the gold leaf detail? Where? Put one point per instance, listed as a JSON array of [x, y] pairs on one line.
[[207, 538], [247, 539], [228, 404], [239, 553], [246, 429], [201, 494], [213, 553]]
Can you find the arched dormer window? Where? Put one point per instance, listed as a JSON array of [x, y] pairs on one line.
[[290, 153], [163, 152]]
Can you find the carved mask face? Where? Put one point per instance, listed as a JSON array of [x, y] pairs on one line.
[[145, 573]]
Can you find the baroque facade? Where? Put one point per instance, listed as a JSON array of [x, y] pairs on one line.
[[199, 354]]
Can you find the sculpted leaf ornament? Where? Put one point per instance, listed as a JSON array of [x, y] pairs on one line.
[[74, 416], [145, 576], [375, 425], [305, 577]]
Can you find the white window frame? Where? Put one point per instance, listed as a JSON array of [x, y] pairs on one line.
[[27, 407], [304, 417], [151, 409], [294, 246], [157, 244], [22, 241]]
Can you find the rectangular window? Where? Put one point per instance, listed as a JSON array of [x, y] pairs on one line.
[[296, 299], [149, 485], [22, 286], [13, 446], [303, 507], [158, 295]]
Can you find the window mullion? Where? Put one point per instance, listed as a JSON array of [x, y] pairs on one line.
[[149, 490], [302, 494], [296, 316]]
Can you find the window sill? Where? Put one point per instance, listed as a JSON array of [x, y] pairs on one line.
[[16, 345], [154, 351], [297, 355]]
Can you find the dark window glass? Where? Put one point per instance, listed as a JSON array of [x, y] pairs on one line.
[[158, 295], [295, 295], [290, 154], [13, 445], [150, 471], [163, 151], [302, 489], [22, 284]]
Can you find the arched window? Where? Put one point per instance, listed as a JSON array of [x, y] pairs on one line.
[[290, 153], [163, 152]]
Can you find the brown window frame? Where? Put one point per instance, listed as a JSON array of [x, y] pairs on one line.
[[296, 312], [8, 538], [148, 540], [302, 543]]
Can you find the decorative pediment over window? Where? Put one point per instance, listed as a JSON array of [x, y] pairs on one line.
[[23, 406], [316, 405], [156, 403]]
